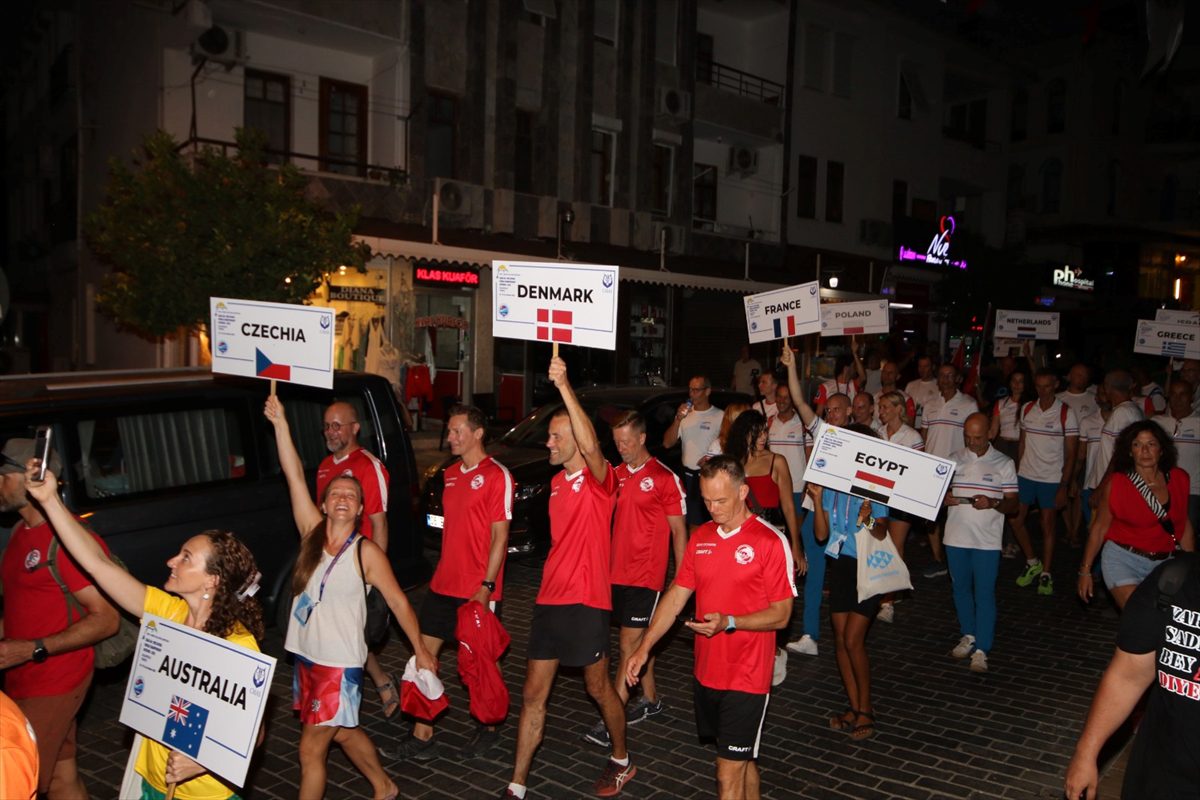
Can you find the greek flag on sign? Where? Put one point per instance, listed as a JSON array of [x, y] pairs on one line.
[[1176, 349]]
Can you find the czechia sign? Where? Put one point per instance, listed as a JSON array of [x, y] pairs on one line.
[[278, 341], [1167, 339]]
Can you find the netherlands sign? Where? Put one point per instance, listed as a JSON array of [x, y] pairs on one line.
[[793, 311], [555, 301], [277, 341], [1027, 325]]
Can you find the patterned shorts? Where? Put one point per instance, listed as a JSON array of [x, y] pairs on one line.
[[326, 695]]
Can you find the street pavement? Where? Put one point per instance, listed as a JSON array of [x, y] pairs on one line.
[[943, 731]]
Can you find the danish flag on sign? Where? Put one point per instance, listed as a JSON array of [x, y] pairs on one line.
[[554, 325]]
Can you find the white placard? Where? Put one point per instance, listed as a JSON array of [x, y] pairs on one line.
[[1177, 317], [198, 694], [845, 319], [793, 311], [1165, 339], [872, 468], [555, 302], [1011, 347], [1027, 325], [279, 341]]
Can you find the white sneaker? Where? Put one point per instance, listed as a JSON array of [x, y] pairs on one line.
[[964, 648], [978, 661], [805, 645], [780, 671], [887, 613]]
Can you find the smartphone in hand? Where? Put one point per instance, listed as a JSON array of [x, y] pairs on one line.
[[41, 449]]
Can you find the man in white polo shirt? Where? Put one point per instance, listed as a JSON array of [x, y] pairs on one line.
[[1183, 425], [942, 426], [923, 389], [697, 423]]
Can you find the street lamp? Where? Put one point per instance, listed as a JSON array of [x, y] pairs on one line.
[[833, 281]]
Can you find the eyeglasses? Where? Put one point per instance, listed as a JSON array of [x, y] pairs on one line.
[[337, 426], [697, 389]]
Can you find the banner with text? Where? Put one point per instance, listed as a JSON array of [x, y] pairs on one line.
[[1167, 339], [1177, 317], [875, 469], [793, 311], [556, 301], [846, 319], [1026, 325], [198, 694], [277, 341]]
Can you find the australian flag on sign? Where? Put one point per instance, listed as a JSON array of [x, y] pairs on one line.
[[185, 726]]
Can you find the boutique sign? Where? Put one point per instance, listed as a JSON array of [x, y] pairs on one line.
[[938, 251]]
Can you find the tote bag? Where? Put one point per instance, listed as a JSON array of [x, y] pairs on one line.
[[880, 568]]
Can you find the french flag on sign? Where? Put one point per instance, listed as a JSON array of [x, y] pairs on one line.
[[872, 487], [784, 326], [554, 325]]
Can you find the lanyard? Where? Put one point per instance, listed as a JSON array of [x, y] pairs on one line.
[[332, 564]]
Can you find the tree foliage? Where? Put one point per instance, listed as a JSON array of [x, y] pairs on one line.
[[177, 229]]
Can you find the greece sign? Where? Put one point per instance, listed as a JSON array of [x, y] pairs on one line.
[[846, 319], [277, 341], [555, 301], [1027, 325], [793, 311], [198, 694], [1167, 339], [875, 469]]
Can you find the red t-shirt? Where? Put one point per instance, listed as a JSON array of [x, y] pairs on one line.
[[369, 471], [472, 500], [737, 573], [577, 567], [35, 608], [1134, 524], [641, 535]]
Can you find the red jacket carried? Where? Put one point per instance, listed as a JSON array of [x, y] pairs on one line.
[[481, 642]]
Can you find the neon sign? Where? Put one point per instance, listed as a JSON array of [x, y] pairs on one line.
[[1073, 279], [446, 277], [938, 252]]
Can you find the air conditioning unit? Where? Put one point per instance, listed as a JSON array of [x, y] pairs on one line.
[[460, 205], [743, 161], [671, 102], [875, 232], [220, 46]]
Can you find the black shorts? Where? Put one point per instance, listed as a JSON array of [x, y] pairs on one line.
[[733, 719], [574, 635], [697, 513], [633, 606], [841, 578], [904, 516], [438, 616]]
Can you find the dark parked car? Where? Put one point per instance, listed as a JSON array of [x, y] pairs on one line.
[[523, 450]]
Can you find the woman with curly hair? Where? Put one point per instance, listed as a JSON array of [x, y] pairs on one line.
[[210, 588], [1141, 516]]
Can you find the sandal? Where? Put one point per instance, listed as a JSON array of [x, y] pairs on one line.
[[389, 697], [860, 733], [844, 721]]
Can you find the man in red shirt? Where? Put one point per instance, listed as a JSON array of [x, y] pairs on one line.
[[573, 606], [741, 571], [650, 518], [477, 499], [46, 655]]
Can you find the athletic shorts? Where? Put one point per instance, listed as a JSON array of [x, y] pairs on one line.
[[697, 512], [1036, 493], [573, 635], [733, 719], [326, 695], [841, 578], [438, 616], [633, 606], [52, 718]]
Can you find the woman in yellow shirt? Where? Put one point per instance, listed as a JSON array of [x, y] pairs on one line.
[[210, 588]]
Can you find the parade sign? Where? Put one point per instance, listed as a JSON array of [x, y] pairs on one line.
[[1027, 325], [1177, 317], [875, 469], [198, 694], [555, 301], [793, 311], [279, 341], [845, 319], [1167, 339]]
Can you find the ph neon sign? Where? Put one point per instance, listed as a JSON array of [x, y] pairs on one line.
[[938, 252]]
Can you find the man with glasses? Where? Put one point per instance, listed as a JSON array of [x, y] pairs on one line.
[[697, 423]]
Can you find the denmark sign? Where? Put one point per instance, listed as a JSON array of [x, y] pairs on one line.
[[278, 341], [556, 301]]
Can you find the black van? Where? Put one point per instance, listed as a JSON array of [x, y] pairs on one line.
[[153, 457]]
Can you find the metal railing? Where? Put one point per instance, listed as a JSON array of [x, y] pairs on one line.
[[732, 79], [375, 172]]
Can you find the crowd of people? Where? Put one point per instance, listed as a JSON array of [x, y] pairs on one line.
[[1117, 464]]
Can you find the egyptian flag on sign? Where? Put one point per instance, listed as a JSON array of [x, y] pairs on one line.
[[873, 487], [550, 322], [785, 326]]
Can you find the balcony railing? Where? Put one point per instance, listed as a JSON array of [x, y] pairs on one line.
[[732, 79], [360, 169]]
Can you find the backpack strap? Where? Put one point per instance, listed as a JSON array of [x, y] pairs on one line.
[[1027, 408], [1062, 416], [1172, 577], [52, 565]]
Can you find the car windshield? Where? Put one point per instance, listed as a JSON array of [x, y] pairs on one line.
[[535, 429]]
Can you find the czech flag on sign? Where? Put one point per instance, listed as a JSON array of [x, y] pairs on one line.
[[785, 326], [548, 319], [263, 367]]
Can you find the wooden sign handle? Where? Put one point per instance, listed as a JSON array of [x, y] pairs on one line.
[[272, 387], [171, 786], [554, 353]]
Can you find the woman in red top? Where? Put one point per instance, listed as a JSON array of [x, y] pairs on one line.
[[1141, 514]]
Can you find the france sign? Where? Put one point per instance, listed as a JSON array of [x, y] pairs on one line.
[[277, 341], [1027, 325], [846, 319], [793, 311], [555, 301], [1167, 339], [198, 694]]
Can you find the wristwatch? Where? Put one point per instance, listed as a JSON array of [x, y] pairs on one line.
[[40, 653], [491, 585], [730, 624]]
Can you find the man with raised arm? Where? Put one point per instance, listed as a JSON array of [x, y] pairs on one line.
[[574, 604]]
